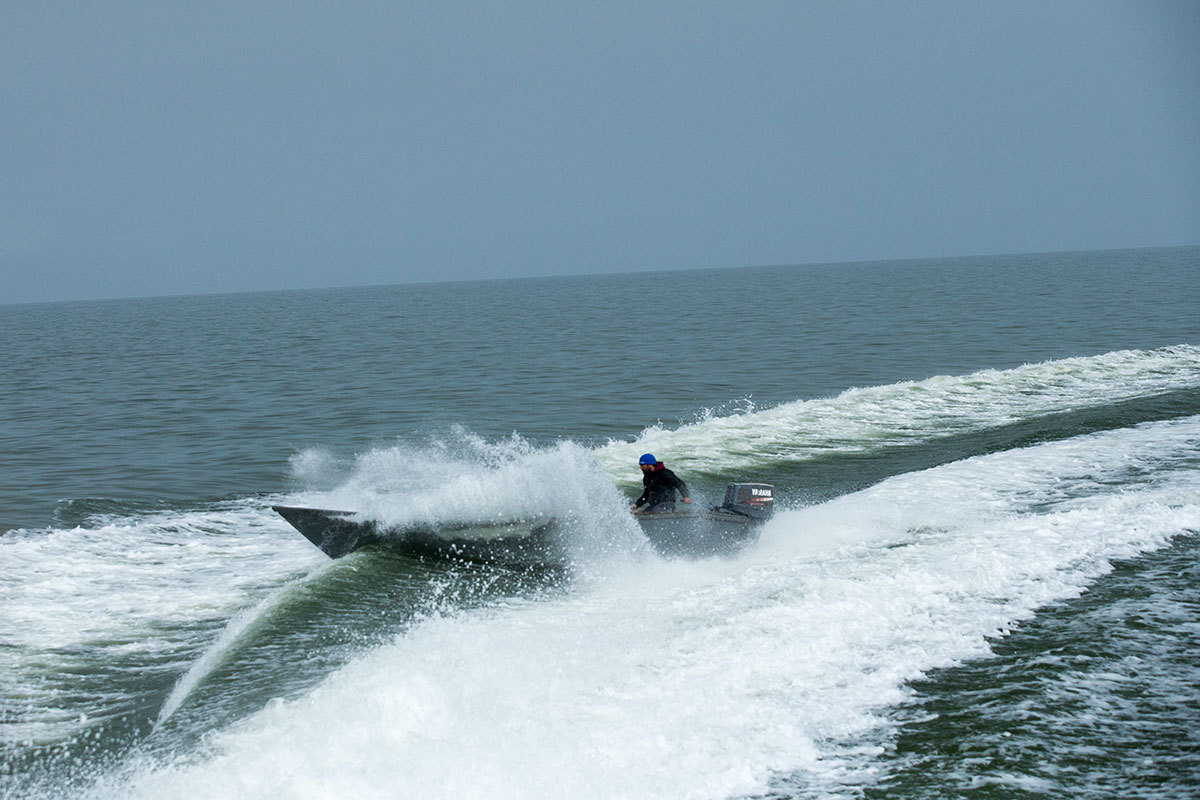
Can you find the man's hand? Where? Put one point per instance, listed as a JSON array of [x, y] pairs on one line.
[[687, 500]]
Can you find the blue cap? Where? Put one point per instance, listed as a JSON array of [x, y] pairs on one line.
[[648, 459]]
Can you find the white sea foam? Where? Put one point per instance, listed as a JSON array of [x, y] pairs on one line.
[[75, 599], [861, 419], [706, 679]]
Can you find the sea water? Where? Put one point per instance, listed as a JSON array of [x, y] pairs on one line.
[[981, 580]]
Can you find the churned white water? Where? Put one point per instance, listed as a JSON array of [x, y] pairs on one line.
[[913, 411], [466, 480], [127, 589], [709, 679]]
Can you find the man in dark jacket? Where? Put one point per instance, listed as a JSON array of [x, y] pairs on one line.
[[658, 494]]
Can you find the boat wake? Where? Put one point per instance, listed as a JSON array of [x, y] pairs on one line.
[[708, 678], [643, 676]]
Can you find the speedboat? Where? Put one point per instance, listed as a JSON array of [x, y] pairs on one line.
[[717, 530]]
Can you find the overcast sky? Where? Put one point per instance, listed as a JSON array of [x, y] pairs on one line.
[[173, 148]]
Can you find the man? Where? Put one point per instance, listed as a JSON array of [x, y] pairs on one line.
[[658, 494]]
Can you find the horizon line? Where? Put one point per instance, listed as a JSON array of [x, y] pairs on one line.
[[598, 273]]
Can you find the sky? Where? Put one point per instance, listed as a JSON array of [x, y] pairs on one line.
[[151, 148]]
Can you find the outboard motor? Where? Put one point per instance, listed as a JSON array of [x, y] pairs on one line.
[[754, 500]]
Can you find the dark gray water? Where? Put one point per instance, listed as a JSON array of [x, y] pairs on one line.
[[1097, 695], [919, 621]]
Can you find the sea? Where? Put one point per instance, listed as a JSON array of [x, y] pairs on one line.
[[982, 579]]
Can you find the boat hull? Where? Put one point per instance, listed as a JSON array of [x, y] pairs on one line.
[[697, 535], [338, 533]]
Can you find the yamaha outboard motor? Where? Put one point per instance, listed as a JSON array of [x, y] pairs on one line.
[[754, 500]]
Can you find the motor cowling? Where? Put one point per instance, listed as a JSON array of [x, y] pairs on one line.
[[755, 500]]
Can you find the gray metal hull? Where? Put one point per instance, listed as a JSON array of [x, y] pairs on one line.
[[337, 533], [518, 544], [699, 534]]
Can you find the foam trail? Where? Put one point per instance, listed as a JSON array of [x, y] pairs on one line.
[[859, 420], [706, 679]]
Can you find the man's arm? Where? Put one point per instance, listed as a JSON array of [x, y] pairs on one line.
[[638, 503], [678, 483]]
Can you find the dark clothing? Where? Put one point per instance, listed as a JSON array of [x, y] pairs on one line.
[[659, 487]]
